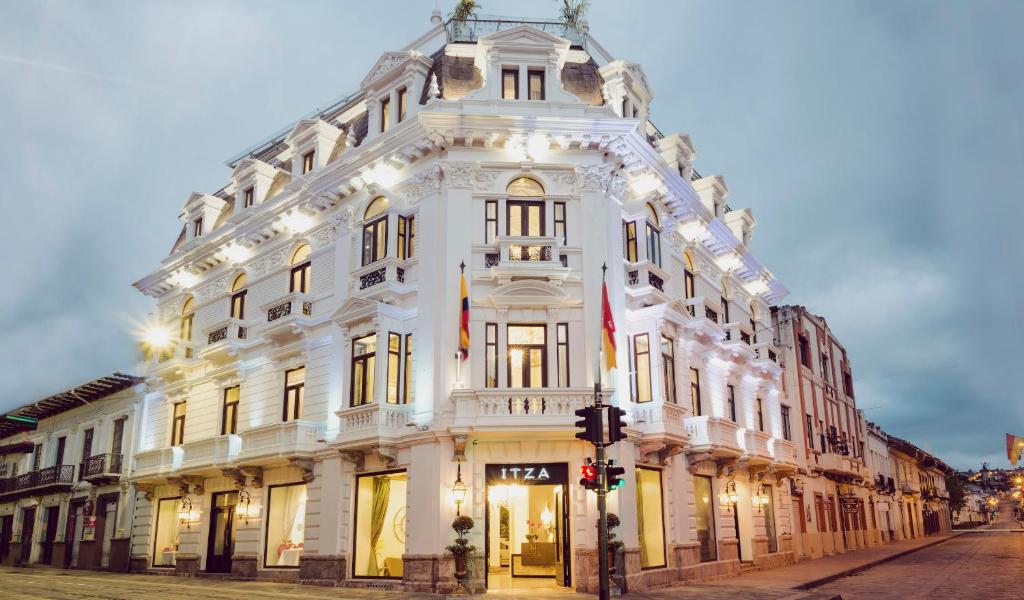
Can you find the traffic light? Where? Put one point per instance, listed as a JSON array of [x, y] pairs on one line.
[[22, 423], [614, 476], [616, 424], [590, 424], [589, 472]]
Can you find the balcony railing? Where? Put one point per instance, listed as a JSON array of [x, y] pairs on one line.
[[373, 421], [714, 435], [643, 278], [472, 29], [211, 452], [280, 439], [513, 407], [101, 466], [157, 461], [525, 256], [384, 277], [232, 329], [55, 478], [297, 303]]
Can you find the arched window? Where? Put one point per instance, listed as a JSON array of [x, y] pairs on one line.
[[237, 310], [653, 236], [300, 269], [689, 282], [185, 331], [375, 231], [753, 322], [527, 187]]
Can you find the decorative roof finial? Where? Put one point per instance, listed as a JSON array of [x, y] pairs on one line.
[[434, 91]]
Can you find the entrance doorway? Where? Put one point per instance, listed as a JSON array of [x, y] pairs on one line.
[[52, 515], [527, 526], [222, 532], [28, 526]]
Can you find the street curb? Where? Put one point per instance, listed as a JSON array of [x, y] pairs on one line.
[[854, 570]]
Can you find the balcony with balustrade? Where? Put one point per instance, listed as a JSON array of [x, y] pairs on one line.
[[51, 480], [224, 340], [286, 318], [386, 280], [525, 257], [739, 339], [757, 450], [646, 284], [713, 436], [910, 487], [210, 455], [101, 469], [373, 424], [271, 444], [157, 463], [175, 362], [536, 409], [784, 456], [660, 424], [766, 352], [705, 317], [841, 466]]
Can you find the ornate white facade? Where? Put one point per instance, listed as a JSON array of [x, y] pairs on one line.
[[268, 449]]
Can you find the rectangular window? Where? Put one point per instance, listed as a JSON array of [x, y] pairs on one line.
[[760, 415], [725, 312], [403, 104], [668, 370], [562, 351], [375, 240], [385, 114], [58, 458], [294, 393], [560, 231], [650, 518], [527, 356], [695, 392], [406, 237], [826, 373], [704, 501], [653, 244], [229, 420], [394, 362], [177, 425], [248, 197], [117, 439], [197, 227], [810, 432], [535, 84], [629, 240], [491, 352], [286, 525], [364, 361], [690, 285], [165, 536], [847, 384], [787, 426], [525, 218], [380, 534], [300, 278], [37, 457], [307, 161], [87, 443], [408, 391], [238, 305], [490, 221], [185, 333], [731, 397], [642, 368], [805, 352], [510, 84], [625, 106]]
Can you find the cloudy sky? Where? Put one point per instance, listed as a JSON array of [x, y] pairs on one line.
[[879, 144]]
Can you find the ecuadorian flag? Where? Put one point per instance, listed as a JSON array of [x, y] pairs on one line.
[[464, 319], [607, 329]]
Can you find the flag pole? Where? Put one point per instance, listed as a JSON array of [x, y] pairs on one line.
[[602, 466]]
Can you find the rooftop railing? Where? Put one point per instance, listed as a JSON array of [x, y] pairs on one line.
[[478, 26]]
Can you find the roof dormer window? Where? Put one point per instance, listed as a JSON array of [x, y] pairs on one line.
[[510, 84], [403, 104], [385, 114], [197, 227], [248, 196], [307, 161], [535, 84]]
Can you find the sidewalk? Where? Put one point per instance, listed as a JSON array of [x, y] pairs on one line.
[[812, 573]]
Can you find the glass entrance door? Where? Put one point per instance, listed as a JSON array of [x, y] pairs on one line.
[[222, 532]]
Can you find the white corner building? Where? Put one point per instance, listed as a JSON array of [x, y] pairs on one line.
[[313, 418]]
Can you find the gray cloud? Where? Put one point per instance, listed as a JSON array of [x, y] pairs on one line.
[[879, 144]]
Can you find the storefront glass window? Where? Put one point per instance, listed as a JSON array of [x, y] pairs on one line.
[[165, 546], [380, 524], [650, 519], [286, 525], [704, 501]]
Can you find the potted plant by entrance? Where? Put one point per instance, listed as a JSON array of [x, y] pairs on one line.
[[461, 549], [614, 545]]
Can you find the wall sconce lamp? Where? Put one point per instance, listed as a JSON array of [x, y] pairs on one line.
[[761, 498], [246, 510], [459, 491], [185, 514], [729, 497]]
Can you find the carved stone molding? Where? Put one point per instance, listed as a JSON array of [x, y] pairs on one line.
[[198, 484], [459, 451], [356, 457], [148, 489], [306, 466], [458, 174], [236, 475], [485, 180], [594, 178], [255, 474], [389, 455], [421, 184]]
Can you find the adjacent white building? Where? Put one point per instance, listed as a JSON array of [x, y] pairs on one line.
[[313, 419]]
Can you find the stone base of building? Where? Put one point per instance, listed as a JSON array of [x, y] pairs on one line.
[[120, 554], [138, 563], [59, 550], [689, 568], [323, 570], [243, 566], [186, 565]]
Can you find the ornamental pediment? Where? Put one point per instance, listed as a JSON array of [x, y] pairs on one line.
[[524, 36], [391, 61], [529, 293]]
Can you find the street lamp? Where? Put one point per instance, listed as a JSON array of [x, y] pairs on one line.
[[459, 491]]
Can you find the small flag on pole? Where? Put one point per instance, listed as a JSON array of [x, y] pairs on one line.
[[607, 329], [1014, 447], [464, 318]]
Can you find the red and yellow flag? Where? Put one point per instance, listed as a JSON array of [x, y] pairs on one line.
[[1014, 447], [464, 319], [607, 329]]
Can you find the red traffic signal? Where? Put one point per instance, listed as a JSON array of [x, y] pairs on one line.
[[590, 477]]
